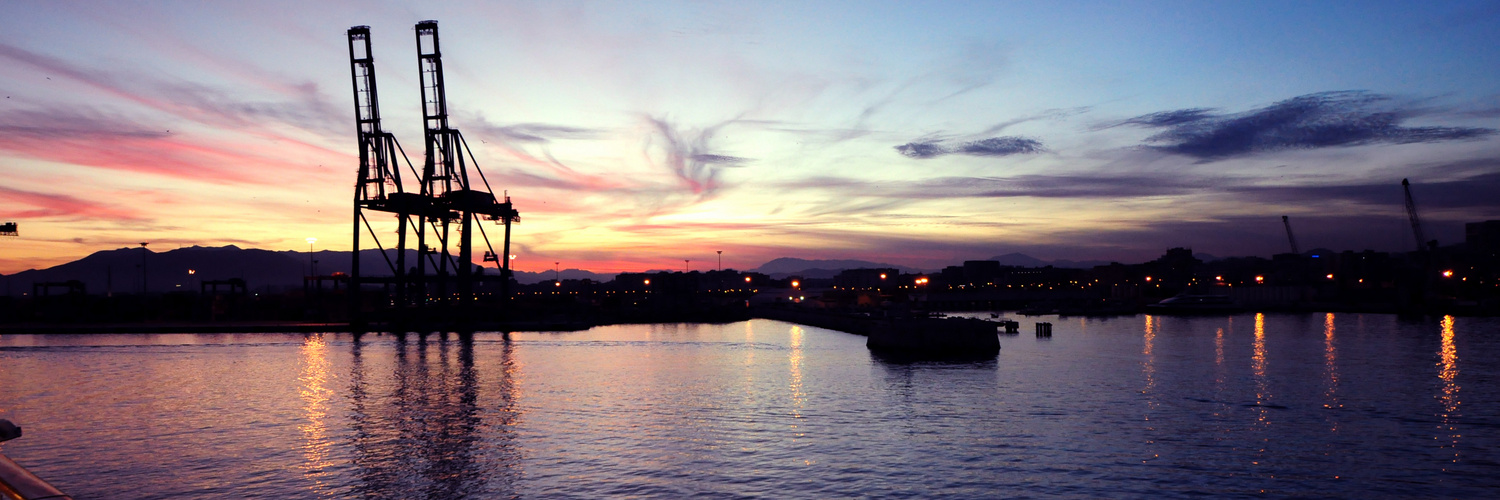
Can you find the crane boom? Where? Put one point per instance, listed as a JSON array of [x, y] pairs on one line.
[[1411, 213], [1289, 237]]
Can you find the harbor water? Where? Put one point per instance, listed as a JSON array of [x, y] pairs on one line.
[[1323, 405]]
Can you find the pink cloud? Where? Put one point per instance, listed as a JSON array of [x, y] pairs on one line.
[[166, 156], [60, 205], [200, 103]]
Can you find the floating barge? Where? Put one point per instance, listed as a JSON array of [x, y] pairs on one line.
[[906, 338], [935, 337]]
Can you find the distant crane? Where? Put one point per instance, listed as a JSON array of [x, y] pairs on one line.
[[1289, 237], [1411, 213]]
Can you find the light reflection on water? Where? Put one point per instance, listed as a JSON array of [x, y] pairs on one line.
[[315, 401], [1448, 372], [1148, 369], [1145, 406], [794, 365]]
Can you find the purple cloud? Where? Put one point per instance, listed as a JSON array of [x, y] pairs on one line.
[[1322, 120]]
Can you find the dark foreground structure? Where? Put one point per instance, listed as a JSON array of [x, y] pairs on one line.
[[18, 483]]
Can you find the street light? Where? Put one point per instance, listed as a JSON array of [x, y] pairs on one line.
[[143, 266], [312, 265], [721, 259]]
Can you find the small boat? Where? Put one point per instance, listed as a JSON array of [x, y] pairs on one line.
[[1195, 304]]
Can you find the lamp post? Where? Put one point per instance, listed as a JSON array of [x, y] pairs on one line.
[[685, 267], [312, 264], [557, 272], [143, 266], [721, 259]]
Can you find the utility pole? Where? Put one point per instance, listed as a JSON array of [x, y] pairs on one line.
[[143, 267], [312, 264]]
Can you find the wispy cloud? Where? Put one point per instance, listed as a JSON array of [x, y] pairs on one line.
[[1322, 120], [1039, 186], [202, 104], [529, 145], [1050, 114], [1470, 189], [994, 146], [1001, 146], [74, 123], [1468, 192], [538, 132], [689, 155], [923, 149]]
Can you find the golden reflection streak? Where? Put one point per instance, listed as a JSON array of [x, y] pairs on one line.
[[315, 395], [795, 362], [1258, 369], [1148, 368], [1330, 366], [1219, 356], [1448, 371], [1258, 357]]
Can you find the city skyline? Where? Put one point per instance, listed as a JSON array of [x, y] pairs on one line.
[[633, 136]]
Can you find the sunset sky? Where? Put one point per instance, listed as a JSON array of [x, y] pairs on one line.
[[634, 135]]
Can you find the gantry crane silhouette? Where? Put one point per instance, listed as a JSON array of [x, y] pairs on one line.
[[444, 195]]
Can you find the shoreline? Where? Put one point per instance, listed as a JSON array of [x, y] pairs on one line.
[[820, 319]]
